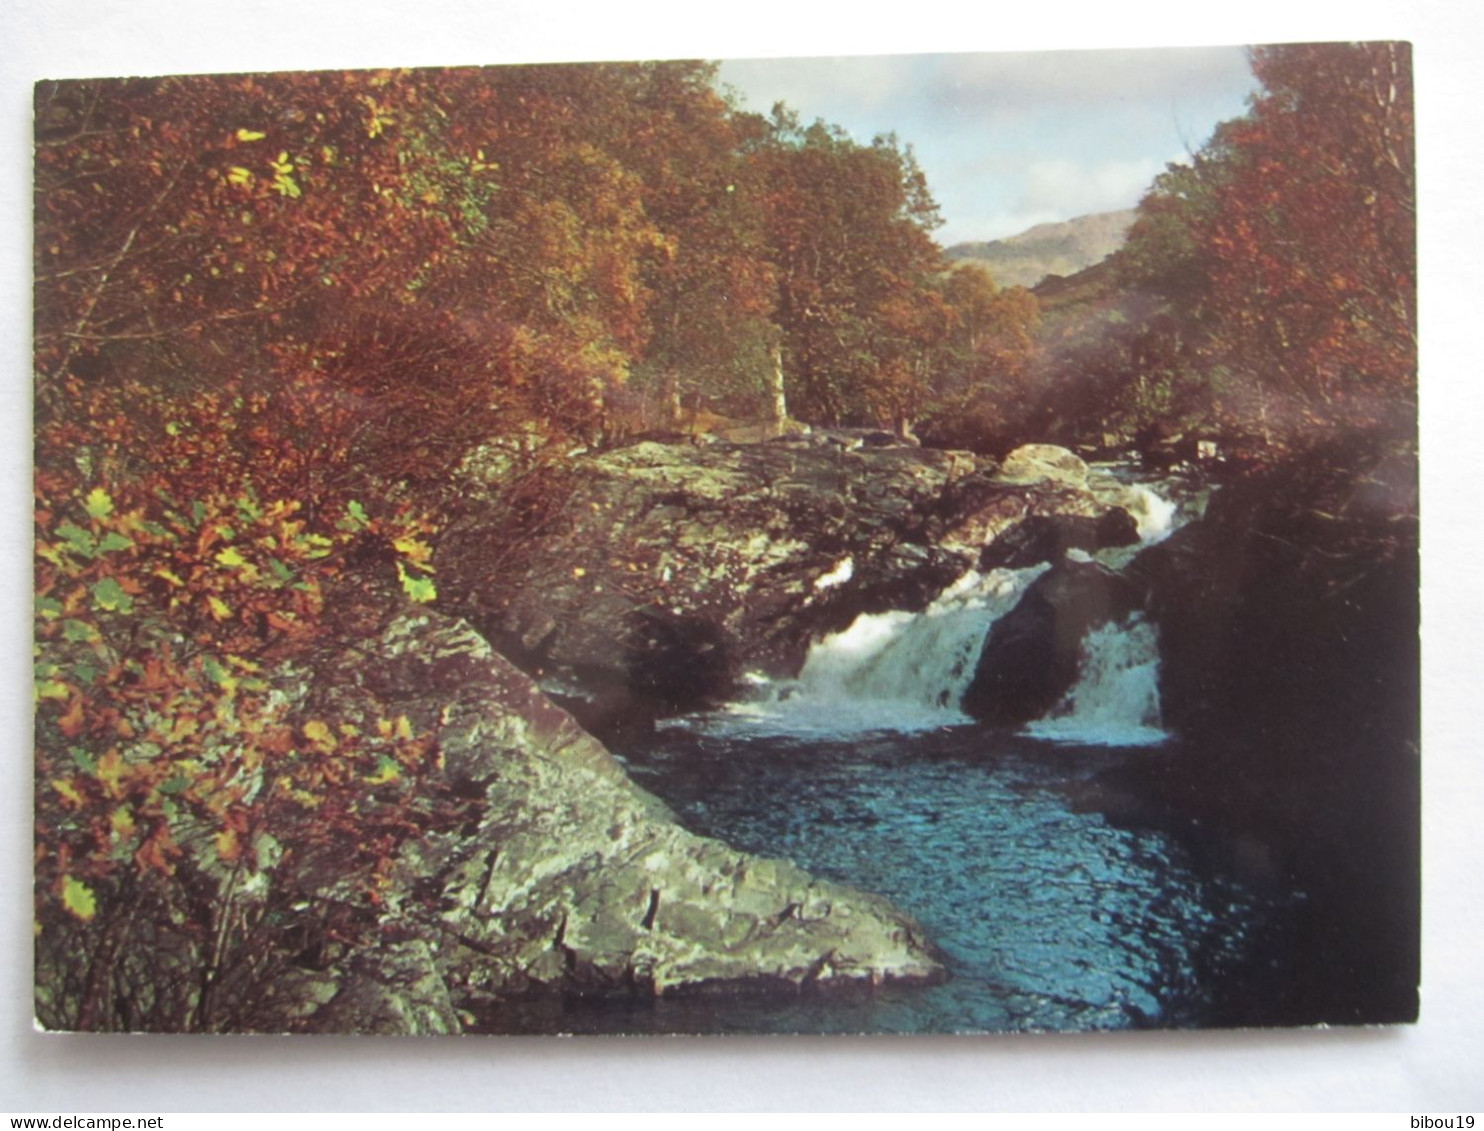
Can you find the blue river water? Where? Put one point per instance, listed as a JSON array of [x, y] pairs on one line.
[[1049, 918]]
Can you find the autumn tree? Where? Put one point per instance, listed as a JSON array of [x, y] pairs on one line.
[[848, 234], [980, 367], [193, 515], [1287, 248], [1313, 249], [712, 289]]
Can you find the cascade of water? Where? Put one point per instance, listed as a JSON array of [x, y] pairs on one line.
[[1154, 514], [1115, 701], [906, 671], [888, 671]]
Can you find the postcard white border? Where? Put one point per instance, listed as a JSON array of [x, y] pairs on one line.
[[1430, 1068]]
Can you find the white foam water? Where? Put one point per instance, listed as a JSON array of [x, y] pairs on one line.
[[1115, 701], [895, 670], [901, 671], [1154, 514]]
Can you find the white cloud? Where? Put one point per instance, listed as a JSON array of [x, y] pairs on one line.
[[814, 86], [1010, 140], [1091, 77]]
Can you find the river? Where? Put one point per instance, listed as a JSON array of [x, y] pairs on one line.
[[862, 770]]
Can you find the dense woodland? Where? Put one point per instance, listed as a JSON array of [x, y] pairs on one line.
[[276, 312]]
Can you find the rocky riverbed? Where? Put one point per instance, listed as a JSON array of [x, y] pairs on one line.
[[674, 571]]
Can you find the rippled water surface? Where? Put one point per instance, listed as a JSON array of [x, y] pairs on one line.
[[1049, 918]]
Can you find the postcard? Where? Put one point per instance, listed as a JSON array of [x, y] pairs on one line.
[[901, 544]]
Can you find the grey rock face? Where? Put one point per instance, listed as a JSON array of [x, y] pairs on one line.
[[672, 570], [568, 877], [1031, 656]]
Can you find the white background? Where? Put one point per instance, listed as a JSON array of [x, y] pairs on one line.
[[1436, 1067]]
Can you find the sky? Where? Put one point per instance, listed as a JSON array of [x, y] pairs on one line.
[[1012, 140]]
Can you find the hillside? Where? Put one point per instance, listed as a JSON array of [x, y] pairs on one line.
[[1048, 249]]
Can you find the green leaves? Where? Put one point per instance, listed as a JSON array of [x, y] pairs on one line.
[[78, 540], [418, 587], [109, 596]]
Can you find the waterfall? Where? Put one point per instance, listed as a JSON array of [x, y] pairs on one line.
[[1115, 701], [888, 671], [1154, 514], [903, 671]]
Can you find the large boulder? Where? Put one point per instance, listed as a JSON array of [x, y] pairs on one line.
[[668, 570], [1050, 491], [1033, 463], [1041, 538], [570, 877], [1032, 654], [1288, 625]]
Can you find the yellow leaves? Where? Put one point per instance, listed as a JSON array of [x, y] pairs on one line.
[[380, 117], [399, 728], [52, 689], [301, 797], [79, 899], [230, 558], [420, 589], [220, 610], [121, 821], [69, 792], [320, 735], [285, 185], [419, 553], [228, 847], [241, 177], [250, 135], [111, 769]]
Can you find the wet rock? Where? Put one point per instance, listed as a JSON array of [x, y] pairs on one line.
[[671, 570], [1288, 625], [570, 878], [1046, 538], [1031, 656], [1048, 487]]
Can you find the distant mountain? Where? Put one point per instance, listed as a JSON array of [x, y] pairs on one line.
[[1048, 249]]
